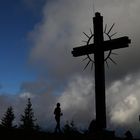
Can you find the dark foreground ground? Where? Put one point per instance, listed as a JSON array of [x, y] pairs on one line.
[[18, 134]]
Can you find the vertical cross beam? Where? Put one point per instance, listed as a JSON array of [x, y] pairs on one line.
[[98, 49], [99, 72]]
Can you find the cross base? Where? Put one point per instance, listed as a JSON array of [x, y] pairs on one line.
[[100, 134], [104, 135]]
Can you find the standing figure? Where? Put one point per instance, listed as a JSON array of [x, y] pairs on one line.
[[58, 114]]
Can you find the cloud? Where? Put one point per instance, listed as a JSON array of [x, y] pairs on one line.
[[57, 34], [125, 15], [61, 30], [43, 106], [75, 102], [78, 101], [64, 81], [26, 95], [78, 104], [34, 5], [37, 87], [123, 101], [72, 98], [125, 109]]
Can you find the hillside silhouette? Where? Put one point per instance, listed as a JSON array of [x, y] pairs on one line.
[[16, 134], [29, 129]]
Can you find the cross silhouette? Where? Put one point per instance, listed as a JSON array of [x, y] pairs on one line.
[[98, 49]]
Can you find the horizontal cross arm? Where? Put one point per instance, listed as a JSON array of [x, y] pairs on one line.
[[116, 43], [106, 46], [83, 50]]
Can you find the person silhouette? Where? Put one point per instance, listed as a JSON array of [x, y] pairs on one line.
[[58, 114]]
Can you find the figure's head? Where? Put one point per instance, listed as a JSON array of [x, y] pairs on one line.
[[58, 104]]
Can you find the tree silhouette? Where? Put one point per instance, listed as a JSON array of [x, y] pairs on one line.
[[7, 120], [28, 120]]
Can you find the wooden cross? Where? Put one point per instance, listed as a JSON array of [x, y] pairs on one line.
[[98, 49]]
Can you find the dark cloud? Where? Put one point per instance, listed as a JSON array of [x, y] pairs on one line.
[[60, 31], [63, 80], [77, 104], [36, 87]]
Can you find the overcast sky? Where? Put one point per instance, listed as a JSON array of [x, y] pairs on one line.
[[37, 38]]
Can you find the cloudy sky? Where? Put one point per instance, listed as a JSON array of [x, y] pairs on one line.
[[36, 39]]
